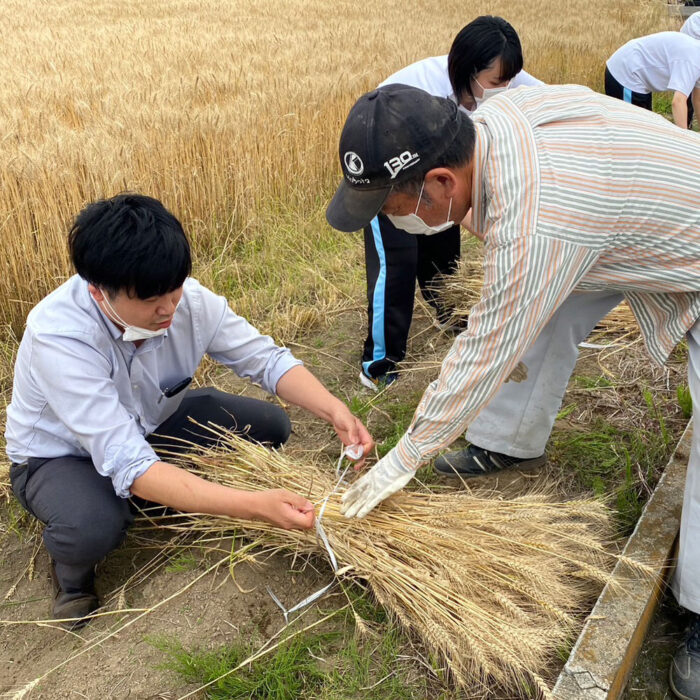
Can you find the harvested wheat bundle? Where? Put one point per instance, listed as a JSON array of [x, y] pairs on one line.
[[493, 586], [462, 290]]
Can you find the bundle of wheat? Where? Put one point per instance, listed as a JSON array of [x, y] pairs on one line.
[[462, 290], [493, 586]]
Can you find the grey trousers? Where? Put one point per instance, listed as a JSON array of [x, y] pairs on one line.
[[85, 519], [519, 418]]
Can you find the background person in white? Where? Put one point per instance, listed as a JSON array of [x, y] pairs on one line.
[[485, 58], [691, 27], [654, 63], [104, 364]]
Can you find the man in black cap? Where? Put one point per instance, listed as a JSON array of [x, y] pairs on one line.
[[579, 206]]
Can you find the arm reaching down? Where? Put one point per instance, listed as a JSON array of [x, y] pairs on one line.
[[179, 489], [300, 387], [679, 107]]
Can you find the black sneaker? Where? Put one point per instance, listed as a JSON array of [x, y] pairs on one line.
[[684, 674], [452, 324], [475, 461], [74, 609]]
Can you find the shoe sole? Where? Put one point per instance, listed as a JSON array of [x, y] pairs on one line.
[[449, 328], [79, 623], [675, 690], [372, 386], [525, 465], [367, 382]]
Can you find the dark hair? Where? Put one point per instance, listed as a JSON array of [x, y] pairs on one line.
[[477, 46], [458, 153], [130, 242]]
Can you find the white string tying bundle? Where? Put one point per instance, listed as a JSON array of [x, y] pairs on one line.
[[353, 452]]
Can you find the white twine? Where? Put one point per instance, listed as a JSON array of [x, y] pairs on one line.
[[353, 452], [597, 346]]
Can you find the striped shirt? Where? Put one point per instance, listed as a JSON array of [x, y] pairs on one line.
[[572, 191]]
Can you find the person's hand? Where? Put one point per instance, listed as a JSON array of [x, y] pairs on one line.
[[380, 482], [352, 432], [284, 509]]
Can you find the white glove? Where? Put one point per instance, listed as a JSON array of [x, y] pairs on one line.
[[381, 481]]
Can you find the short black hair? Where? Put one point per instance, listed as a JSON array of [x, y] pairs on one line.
[[458, 153], [477, 46], [130, 242]]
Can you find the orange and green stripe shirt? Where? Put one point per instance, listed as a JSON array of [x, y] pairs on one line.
[[573, 191]]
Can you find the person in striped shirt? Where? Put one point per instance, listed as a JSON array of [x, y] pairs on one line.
[[582, 200]]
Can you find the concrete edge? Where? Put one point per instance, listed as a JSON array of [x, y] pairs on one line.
[[604, 654]]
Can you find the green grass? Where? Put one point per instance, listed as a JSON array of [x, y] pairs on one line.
[[360, 406], [661, 103], [183, 561], [685, 401], [16, 520], [614, 462], [400, 413], [289, 673], [347, 660], [584, 382]]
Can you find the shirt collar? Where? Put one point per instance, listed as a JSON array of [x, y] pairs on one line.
[[114, 331]]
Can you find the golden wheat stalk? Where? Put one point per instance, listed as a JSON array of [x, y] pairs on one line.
[[462, 290], [492, 586]]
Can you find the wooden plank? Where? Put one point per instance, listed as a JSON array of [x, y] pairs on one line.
[[604, 655]]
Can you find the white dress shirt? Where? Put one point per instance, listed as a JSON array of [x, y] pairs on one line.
[[79, 389]]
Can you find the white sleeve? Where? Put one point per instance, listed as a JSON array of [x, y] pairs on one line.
[[684, 77], [524, 78], [235, 343], [84, 397]]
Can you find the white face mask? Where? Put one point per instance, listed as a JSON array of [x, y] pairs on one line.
[[131, 333], [412, 223], [489, 92]]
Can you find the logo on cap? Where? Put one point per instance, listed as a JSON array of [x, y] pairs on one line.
[[353, 163], [398, 163]]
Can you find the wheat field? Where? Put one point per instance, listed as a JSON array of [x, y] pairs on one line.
[[230, 113]]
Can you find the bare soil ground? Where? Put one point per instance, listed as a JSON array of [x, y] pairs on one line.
[[104, 661]]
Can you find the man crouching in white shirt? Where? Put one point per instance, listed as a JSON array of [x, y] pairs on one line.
[[104, 367]]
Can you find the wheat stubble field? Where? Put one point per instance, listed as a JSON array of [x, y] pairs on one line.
[[229, 112]]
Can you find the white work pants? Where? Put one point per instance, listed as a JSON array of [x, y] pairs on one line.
[[686, 582], [519, 418]]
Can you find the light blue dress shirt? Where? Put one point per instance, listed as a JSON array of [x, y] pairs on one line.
[[79, 389]]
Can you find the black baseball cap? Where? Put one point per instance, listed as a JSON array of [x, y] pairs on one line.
[[389, 133]]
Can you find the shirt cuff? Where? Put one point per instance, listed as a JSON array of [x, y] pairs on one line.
[[405, 456], [279, 368], [125, 463]]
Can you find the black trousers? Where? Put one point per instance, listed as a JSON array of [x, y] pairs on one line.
[[394, 259], [85, 519], [615, 89], [691, 111]]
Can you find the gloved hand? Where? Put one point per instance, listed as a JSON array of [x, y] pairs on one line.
[[381, 481]]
